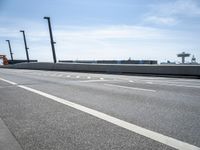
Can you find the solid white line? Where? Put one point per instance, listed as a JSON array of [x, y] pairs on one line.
[[188, 80], [126, 125], [179, 85], [10, 82], [131, 88]]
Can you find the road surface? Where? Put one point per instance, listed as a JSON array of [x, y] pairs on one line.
[[45, 110]]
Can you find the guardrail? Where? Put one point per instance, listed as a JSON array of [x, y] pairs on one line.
[[176, 70]]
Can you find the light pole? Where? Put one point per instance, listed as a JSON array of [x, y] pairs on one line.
[[11, 54], [51, 39], [26, 48]]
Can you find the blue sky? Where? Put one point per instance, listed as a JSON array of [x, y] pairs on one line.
[[102, 29]]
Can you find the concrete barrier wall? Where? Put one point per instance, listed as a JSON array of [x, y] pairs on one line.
[[180, 70]]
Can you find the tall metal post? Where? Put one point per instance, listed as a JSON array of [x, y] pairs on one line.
[[11, 54], [51, 39], [26, 48]]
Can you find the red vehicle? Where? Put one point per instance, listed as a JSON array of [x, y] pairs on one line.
[[5, 60]]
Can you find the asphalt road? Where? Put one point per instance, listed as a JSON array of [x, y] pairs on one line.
[[107, 111]]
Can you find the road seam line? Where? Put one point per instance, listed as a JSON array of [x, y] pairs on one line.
[[126, 125]]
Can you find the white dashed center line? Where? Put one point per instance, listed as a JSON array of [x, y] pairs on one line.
[[149, 82]]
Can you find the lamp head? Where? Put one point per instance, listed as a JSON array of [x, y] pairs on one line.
[[46, 17]]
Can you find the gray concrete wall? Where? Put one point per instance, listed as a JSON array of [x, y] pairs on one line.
[[180, 70]]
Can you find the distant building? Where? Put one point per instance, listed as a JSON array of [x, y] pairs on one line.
[[168, 62], [112, 61]]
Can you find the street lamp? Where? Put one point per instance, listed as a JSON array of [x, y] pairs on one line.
[[11, 54], [51, 39], [26, 48]]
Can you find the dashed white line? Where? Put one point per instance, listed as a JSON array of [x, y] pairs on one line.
[[77, 77], [101, 78], [149, 82], [126, 125], [60, 75], [87, 81], [54, 75], [131, 81], [89, 77], [131, 88]]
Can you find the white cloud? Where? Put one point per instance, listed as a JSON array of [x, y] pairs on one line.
[[100, 42], [161, 20], [169, 13], [180, 7], [7, 33], [109, 32]]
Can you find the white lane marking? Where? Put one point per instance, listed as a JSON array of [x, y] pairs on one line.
[[101, 78], [149, 82], [10, 82], [54, 75], [173, 82], [131, 88], [131, 81], [87, 81], [126, 125], [77, 77], [179, 85], [60, 75], [89, 77], [38, 74], [68, 76]]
